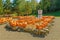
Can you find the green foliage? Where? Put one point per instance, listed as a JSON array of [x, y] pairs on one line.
[[33, 4], [49, 5], [14, 14], [7, 7], [28, 9], [24, 7], [1, 7], [21, 6], [45, 4]]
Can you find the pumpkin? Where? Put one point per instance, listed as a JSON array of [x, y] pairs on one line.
[[52, 17], [13, 23], [21, 17], [31, 22], [40, 28], [24, 24], [21, 20]]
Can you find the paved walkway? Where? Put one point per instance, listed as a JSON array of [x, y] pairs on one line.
[[9, 35]]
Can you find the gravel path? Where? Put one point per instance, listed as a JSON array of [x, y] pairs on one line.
[[9, 35]]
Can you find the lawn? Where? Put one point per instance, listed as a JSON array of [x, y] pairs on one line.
[[57, 14]]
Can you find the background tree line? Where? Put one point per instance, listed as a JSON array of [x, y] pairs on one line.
[[24, 7]]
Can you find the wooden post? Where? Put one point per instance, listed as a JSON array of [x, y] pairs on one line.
[[40, 13]]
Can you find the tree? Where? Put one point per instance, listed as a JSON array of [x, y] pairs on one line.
[[1, 7], [34, 4], [21, 6], [7, 7], [40, 5], [53, 5], [28, 9], [58, 4], [46, 5]]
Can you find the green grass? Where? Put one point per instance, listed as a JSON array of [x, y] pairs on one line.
[[57, 14]]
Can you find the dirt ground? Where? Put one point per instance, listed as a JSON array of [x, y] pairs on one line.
[[10, 35]]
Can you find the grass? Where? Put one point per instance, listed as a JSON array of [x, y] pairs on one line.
[[56, 14]]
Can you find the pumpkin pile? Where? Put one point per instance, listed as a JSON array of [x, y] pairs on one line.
[[2, 20], [30, 24]]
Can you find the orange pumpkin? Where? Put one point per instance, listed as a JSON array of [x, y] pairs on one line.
[[52, 17], [24, 24], [21, 17], [21, 20], [13, 23], [40, 28]]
